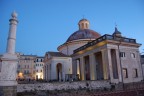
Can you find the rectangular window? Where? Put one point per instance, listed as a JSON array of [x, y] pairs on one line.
[[25, 66], [135, 73], [24, 71], [125, 73], [27, 71], [133, 55], [122, 54]]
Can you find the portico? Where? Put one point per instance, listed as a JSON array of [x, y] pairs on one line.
[[100, 59], [92, 65]]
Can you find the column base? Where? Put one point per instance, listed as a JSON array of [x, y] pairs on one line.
[[8, 90]]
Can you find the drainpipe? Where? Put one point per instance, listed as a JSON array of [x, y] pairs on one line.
[[120, 64]]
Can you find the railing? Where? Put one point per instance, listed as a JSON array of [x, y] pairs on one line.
[[105, 37]]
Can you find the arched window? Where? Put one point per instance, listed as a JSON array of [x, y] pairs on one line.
[[86, 25], [132, 55], [82, 25]]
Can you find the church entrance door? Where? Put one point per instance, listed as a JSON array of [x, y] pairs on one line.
[[59, 71]]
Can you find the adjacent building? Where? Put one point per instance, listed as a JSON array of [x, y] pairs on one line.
[[30, 67], [26, 67], [39, 66]]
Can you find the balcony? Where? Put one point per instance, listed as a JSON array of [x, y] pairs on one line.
[[105, 37]]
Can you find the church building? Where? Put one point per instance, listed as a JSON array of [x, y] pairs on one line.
[[89, 56]]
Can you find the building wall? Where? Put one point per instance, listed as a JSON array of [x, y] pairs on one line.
[[131, 63], [51, 70], [26, 69]]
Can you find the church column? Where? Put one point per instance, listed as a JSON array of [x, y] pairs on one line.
[[74, 66], [105, 64], [92, 67], [82, 68], [110, 64], [78, 67]]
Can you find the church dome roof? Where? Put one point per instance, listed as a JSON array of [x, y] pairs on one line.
[[83, 34]]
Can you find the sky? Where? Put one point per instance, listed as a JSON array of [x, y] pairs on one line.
[[46, 24]]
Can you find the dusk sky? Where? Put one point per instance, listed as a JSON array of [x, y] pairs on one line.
[[46, 24]]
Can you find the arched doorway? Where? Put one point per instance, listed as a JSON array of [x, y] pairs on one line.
[[59, 71]]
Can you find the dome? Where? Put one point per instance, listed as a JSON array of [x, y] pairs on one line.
[[83, 34], [116, 32], [83, 20]]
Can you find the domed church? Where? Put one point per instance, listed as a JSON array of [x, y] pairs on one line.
[[59, 64], [86, 55], [78, 38]]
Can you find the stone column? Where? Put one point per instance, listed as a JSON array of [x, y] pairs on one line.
[[74, 66], [110, 65], [92, 67], [78, 66], [105, 64], [8, 83], [82, 68], [12, 34]]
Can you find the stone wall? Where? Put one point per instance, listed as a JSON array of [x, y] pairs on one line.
[[63, 85]]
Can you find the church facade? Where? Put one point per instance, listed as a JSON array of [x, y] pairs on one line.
[[90, 56]]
